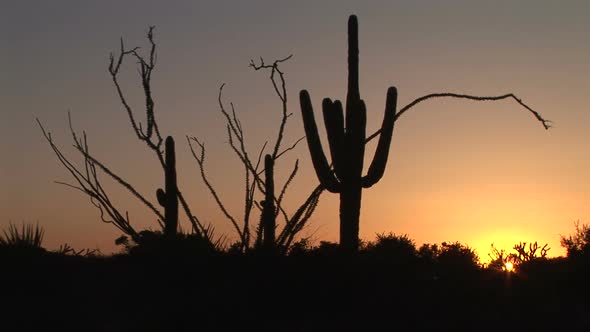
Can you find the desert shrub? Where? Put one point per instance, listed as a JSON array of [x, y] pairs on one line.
[[325, 249], [455, 257], [301, 248], [578, 243], [235, 249], [498, 259], [522, 254], [528, 253], [155, 243], [66, 250], [393, 248]]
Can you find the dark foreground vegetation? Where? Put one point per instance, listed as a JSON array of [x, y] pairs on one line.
[[389, 285]]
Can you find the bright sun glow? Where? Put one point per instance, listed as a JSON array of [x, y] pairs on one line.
[[509, 267]]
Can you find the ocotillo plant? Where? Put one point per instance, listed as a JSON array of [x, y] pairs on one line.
[[169, 198], [268, 216], [346, 136]]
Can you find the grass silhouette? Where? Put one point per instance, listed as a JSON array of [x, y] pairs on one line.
[[29, 236]]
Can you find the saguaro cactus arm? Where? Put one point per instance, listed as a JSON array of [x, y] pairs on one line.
[[334, 122], [377, 167], [356, 124], [320, 163]]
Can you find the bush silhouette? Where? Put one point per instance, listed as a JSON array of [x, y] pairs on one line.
[[159, 244], [457, 259], [301, 248], [578, 243], [398, 249]]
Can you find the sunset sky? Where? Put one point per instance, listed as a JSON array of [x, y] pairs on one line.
[[458, 170]]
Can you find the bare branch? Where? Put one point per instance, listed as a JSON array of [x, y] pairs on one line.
[[546, 123], [291, 147], [145, 71], [280, 92], [146, 67], [89, 184], [200, 158], [286, 185], [300, 218]]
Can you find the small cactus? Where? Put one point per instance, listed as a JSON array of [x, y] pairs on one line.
[[346, 137], [268, 216], [168, 198]]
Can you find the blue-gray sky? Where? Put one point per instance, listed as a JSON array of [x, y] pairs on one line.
[[457, 171]]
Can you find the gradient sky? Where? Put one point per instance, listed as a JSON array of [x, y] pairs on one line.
[[458, 171]]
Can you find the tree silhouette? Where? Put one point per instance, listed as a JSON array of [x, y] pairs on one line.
[[577, 243], [347, 139], [88, 175], [271, 207]]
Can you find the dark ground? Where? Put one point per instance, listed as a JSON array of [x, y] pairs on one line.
[[50, 292]]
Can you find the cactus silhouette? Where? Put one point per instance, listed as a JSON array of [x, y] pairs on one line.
[[346, 137], [268, 215], [169, 198]]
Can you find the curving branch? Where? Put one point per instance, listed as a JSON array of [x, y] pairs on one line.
[[546, 123], [200, 158]]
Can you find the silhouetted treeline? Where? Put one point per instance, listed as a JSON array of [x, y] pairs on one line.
[[164, 284]]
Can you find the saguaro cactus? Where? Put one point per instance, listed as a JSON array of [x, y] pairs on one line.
[[268, 216], [346, 136], [169, 198]]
